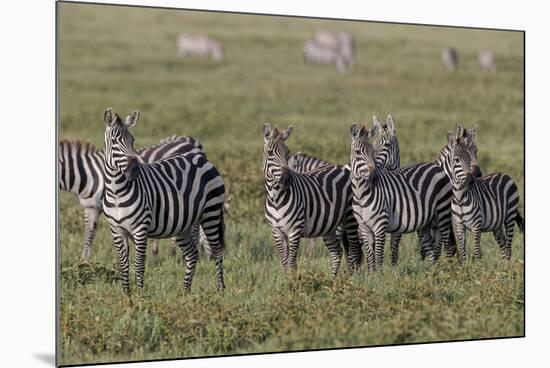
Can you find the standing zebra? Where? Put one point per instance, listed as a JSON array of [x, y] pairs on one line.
[[314, 53], [489, 203], [341, 41], [486, 60], [444, 160], [81, 169], [199, 45], [163, 199], [307, 205], [449, 58], [413, 198]]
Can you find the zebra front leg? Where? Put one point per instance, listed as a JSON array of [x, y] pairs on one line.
[[333, 245], [293, 247], [477, 242], [395, 239], [450, 249], [281, 244], [442, 237], [501, 241], [379, 243], [214, 229], [140, 241], [460, 240], [425, 239], [155, 247], [121, 245], [368, 243], [90, 226], [190, 252], [173, 246]]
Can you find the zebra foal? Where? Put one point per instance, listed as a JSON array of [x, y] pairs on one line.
[[481, 204], [414, 198], [167, 198], [305, 205]]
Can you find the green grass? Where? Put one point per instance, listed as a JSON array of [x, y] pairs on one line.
[[126, 58]]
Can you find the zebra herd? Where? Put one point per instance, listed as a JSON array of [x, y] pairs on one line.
[[311, 197], [171, 190]]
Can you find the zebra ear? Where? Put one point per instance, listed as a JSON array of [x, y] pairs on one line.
[[373, 132], [108, 116], [451, 138], [132, 119], [390, 124], [132, 169], [472, 133], [376, 122], [354, 131], [286, 133], [459, 131], [267, 130]]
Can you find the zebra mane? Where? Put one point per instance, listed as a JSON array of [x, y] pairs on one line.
[[84, 145]]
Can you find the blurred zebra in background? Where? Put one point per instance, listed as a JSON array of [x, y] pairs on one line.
[[449, 57], [81, 171], [331, 48], [414, 198], [489, 203], [486, 60], [163, 199], [308, 205], [199, 45]]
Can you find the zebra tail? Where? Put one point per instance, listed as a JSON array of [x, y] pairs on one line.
[[520, 221]]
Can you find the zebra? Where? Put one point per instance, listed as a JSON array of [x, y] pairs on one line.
[[314, 53], [486, 204], [199, 45], [486, 59], [412, 198], [449, 57], [82, 172], [307, 205], [444, 160], [343, 42], [163, 199], [302, 163]]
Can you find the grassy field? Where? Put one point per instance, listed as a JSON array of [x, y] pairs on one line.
[[126, 58]]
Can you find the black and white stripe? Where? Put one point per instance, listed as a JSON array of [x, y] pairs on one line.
[[305, 205], [81, 168], [486, 204], [415, 198], [167, 198]]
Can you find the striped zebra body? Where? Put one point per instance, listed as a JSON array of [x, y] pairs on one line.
[[340, 41], [167, 198], [486, 60], [444, 160], [486, 204], [415, 198], [199, 45], [449, 58], [315, 53], [305, 205], [81, 168]]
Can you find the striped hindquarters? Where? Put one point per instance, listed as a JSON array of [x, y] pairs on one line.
[[170, 146]]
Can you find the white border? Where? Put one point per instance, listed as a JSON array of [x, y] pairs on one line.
[[27, 181]]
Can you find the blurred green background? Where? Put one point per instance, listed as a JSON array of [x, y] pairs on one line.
[[126, 58]]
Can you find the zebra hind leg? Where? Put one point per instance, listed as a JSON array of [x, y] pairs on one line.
[[507, 250], [214, 228], [188, 247], [333, 245], [90, 226], [426, 241], [477, 242]]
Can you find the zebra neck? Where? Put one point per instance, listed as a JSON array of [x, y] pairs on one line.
[[461, 193], [115, 179]]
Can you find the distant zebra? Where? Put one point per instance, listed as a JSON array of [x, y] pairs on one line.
[[307, 205], [486, 60], [342, 42], [314, 53], [412, 198], [489, 203], [199, 45], [449, 57], [167, 198], [81, 169]]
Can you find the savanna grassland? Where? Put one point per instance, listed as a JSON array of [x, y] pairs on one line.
[[126, 58]]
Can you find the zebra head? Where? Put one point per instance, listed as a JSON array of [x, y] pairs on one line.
[[468, 136], [362, 155], [464, 159], [119, 142], [275, 158], [386, 145]]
